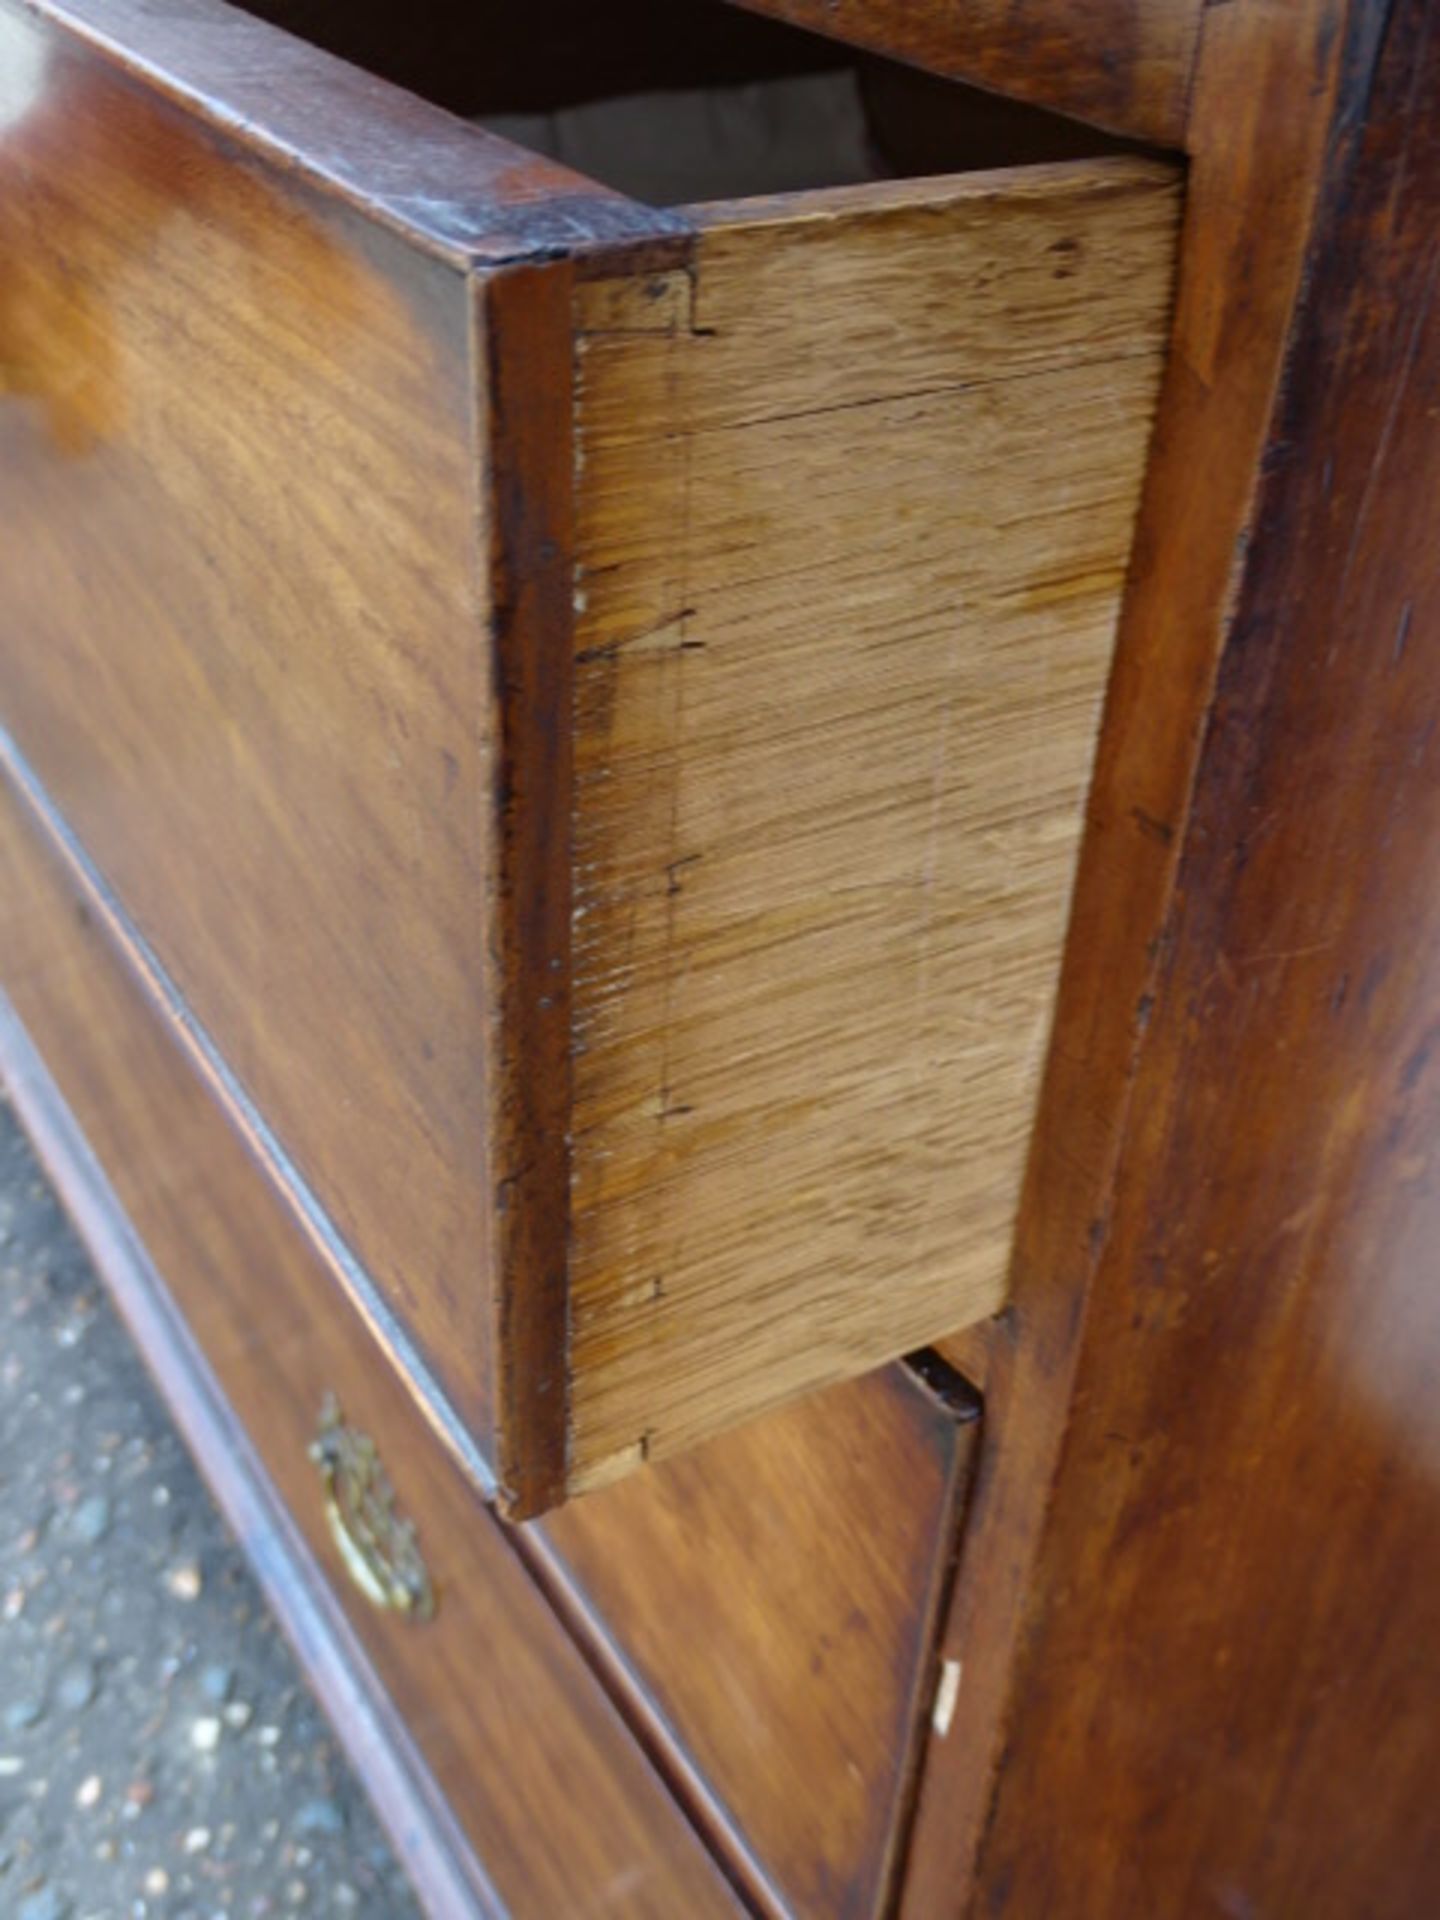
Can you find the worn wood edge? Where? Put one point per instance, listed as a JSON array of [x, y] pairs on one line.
[[1045, 182], [1032, 1354], [524, 434], [468, 195], [669, 252], [447, 1876], [207, 1063]]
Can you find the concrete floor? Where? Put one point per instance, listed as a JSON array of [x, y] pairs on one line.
[[159, 1755]]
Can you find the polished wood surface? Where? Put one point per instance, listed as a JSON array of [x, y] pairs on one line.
[[515, 1733], [859, 487], [236, 529], [445, 1875], [1187, 1662], [1121, 64], [1232, 1680], [775, 1593]]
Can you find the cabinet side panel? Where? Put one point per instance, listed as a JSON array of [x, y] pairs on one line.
[[855, 508], [1230, 1671]]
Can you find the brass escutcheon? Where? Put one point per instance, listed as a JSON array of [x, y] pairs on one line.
[[379, 1549]]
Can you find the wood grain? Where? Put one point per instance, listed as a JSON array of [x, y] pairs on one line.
[[807, 1554], [574, 1819], [243, 643], [443, 1871], [856, 503], [1122, 64], [1196, 1616], [1232, 1678]]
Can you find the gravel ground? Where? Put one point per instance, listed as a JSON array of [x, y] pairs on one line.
[[159, 1755]]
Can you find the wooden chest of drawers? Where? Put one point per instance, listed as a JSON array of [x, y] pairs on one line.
[[568, 916]]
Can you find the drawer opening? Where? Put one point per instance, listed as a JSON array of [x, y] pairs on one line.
[[677, 103]]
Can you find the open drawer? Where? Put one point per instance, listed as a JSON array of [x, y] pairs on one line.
[[585, 710]]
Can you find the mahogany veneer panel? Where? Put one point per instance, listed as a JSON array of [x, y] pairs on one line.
[[511, 1727], [1197, 1599], [590, 708]]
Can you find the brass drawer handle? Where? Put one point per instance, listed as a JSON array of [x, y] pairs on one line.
[[379, 1549]]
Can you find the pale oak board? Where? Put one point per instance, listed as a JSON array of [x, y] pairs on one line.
[[855, 496]]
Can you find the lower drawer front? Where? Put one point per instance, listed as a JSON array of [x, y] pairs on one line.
[[510, 1725], [775, 1594]]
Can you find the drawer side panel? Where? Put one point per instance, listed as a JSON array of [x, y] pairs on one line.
[[856, 503]]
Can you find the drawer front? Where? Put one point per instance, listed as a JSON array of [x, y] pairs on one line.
[[248, 645], [774, 1596], [587, 709], [510, 1725]]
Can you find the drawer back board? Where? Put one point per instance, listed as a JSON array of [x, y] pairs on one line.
[[587, 709]]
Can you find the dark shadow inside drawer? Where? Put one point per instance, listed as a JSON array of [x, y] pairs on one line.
[[676, 101]]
